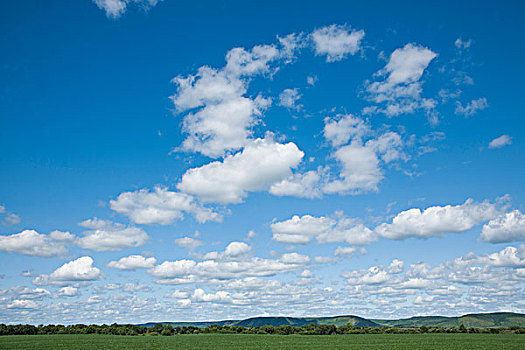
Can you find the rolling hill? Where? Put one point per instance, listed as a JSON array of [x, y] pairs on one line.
[[481, 320]]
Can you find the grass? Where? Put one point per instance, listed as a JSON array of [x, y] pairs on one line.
[[231, 342]]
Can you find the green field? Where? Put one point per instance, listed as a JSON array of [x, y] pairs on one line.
[[230, 342]]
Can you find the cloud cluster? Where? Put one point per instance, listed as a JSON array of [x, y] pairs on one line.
[[361, 159], [301, 230], [398, 91], [472, 107], [103, 235], [160, 206], [234, 262]]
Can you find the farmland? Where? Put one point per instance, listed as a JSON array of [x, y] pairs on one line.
[[230, 342]]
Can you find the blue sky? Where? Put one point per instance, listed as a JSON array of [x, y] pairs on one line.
[[204, 161]]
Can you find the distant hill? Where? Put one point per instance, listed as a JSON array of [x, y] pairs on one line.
[[496, 319], [485, 320]]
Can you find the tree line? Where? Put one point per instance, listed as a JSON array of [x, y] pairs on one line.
[[169, 330]]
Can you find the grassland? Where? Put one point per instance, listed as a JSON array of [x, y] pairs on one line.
[[231, 342]]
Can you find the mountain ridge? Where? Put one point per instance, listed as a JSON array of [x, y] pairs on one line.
[[477, 320]]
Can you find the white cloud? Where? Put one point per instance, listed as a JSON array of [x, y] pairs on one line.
[[508, 257], [217, 297], [461, 44], [306, 274], [22, 304], [289, 97], [133, 262], [346, 252], [360, 170], [301, 230], [113, 8], [236, 249], [68, 291], [343, 128], [262, 163], [22, 292], [360, 161], [400, 91], [224, 117], [234, 262], [472, 107], [501, 141], [106, 236], [436, 221], [8, 217], [30, 242], [61, 236], [188, 243], [299, 185], [116, 8], [79, 270], [311, 80], [160, 207], [12, 219], [337, 41], [179, 294], [508, 227]]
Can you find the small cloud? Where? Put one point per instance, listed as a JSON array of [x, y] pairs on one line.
[[462, 45], [498, 142], [311, 80], [289, 97], [471, 108]]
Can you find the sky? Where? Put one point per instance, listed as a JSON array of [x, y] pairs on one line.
[[208, 160]]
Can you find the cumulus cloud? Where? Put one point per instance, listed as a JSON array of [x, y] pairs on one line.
[[360, 160], [116, 8], [289, 97], [68, 291], [508, 227], [188, 243], [8, 217], [299, 185], [437, 220], [501, 141], [399, 91], [360, 170], [508, 257], [160, 206], [22, 292], [79, 270], [257, 167], [106, 236], [301, 230], [472, 107], [337, 41], [462, 44], [30, 242], [338, 131], [217, 297], [22, 304], [221, 116], [133, 262], [234, 262]]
